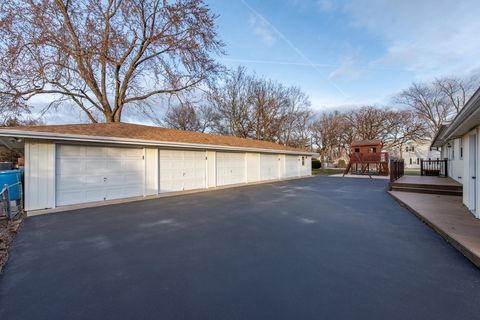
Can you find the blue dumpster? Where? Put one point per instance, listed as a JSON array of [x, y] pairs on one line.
[[12, 179]]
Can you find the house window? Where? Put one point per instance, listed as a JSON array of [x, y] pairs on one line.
[[303, 161], [410, 160], [418, 160], [406, 149], [412, 149], [357, 149], [374, 149]]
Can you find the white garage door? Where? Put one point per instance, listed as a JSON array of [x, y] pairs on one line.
[[86, 174], [230, 168], [269, 167], [182, 170], [291, 166]]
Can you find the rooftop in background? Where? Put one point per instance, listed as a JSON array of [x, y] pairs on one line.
[[135, 132]]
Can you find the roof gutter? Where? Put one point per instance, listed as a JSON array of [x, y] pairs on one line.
[[101, 139], [438, 140]]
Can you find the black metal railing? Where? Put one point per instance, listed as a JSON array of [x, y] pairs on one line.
[[397, 169], [438, 167]]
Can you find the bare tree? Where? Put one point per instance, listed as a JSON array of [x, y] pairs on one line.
[[102, 56], [457, 90], [332, 135], [334, 132], [190, 117], [439, 101], [248, 106], [232, 100], [296, 120], [367, 122], [402, 127]]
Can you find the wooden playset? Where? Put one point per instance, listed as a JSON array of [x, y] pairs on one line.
[[367, 158]]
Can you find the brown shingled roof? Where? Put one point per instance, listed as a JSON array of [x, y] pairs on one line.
[[141, 132]]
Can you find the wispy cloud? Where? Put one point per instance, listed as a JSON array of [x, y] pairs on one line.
[[326, 5], [290, 44], [428, 38], [277, 62], [348, 70], [263, 30]]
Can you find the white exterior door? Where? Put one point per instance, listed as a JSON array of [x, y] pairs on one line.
[[230, 168], [182, 170], [303, 165], [291, 166], [87, 174], [472, 168], [269, 167]]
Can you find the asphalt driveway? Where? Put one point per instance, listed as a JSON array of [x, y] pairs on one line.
[[318, 248]]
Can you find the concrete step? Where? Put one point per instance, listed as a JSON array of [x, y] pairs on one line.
[[428, 186], [415, 189]]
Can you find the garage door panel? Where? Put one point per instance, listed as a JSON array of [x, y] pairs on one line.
[[69, 166], [131, 165], [93, 180], [95, 152], [116, 193], [116, 166], [98, 173], [182, 170], [96, 165], [269, 167], [230, 168], [72, 151], [291, 166]]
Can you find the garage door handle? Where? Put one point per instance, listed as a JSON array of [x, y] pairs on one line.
[[474, 177]]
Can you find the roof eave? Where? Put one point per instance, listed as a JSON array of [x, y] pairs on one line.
[[113, 140], [438, 140]]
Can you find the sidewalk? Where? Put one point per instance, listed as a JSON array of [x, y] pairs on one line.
[[449, 217]]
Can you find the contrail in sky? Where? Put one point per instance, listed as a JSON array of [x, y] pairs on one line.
[[300, 53]]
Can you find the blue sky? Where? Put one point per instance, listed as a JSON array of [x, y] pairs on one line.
[[341, 53], [344, 53]]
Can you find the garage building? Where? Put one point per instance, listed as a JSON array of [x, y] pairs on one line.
[[69, 165]]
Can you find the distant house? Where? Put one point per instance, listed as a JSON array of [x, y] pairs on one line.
[[413, 152], [459, 143]]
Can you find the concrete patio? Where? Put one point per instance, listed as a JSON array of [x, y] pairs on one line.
[[449, 217]]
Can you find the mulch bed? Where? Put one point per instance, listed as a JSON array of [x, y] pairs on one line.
[[8, 230]]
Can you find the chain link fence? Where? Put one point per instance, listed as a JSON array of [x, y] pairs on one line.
[[11, 208]]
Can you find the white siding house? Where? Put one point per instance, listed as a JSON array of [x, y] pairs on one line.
[[459, 143], [412, 153], [94, 163]]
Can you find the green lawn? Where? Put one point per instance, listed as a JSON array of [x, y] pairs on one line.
[[327, 171], [412, 172]]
